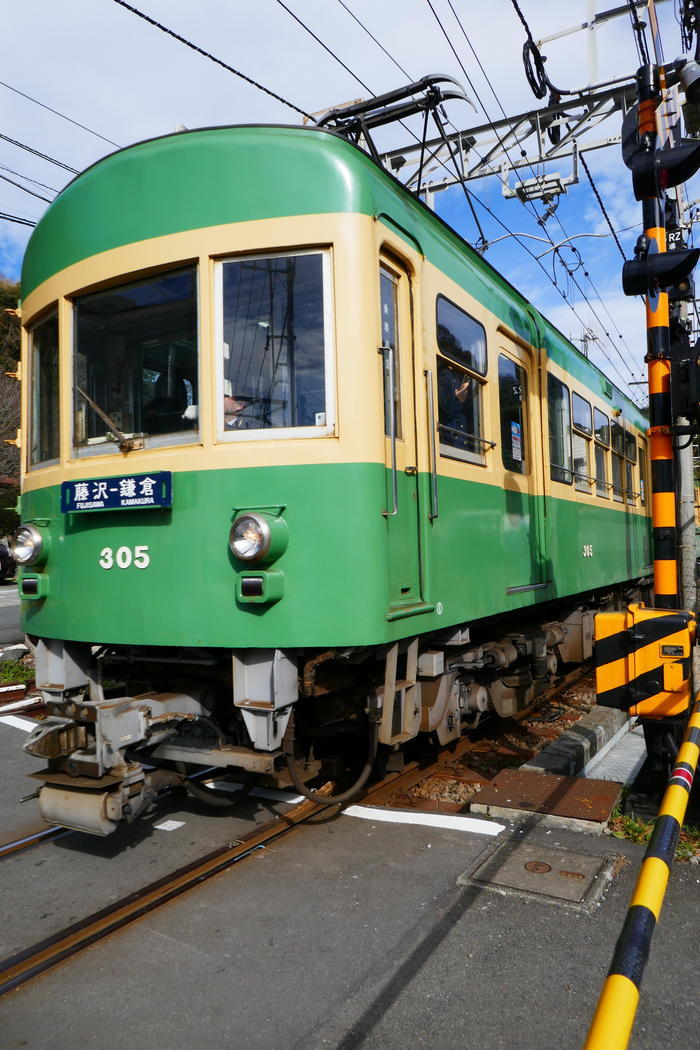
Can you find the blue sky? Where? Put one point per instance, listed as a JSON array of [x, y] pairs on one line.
[[125, 80]]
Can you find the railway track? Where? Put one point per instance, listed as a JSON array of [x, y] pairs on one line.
[[380, 793], [48, 953]]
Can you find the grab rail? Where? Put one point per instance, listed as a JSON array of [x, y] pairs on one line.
[[387, 353], [432, 443]]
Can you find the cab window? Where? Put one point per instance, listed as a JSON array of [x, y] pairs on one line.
[[135, 363], [274, 330], [43, 409]]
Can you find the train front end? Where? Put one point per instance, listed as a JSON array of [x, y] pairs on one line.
[[197, 527]]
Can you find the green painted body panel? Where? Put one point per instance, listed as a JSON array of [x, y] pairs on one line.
[[336, 583], [214, 176]]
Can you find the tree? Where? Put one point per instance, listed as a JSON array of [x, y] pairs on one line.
[[9, 403]]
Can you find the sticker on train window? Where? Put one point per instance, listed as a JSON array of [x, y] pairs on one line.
[[124, 492]]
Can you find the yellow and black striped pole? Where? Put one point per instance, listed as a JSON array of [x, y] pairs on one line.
[[663, 501], [614, 1017]]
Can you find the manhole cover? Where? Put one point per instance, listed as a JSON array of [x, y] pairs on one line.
[[538, 866], [551, 872]]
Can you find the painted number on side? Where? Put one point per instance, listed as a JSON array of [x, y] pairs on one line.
[[124, 557], [588, 550]]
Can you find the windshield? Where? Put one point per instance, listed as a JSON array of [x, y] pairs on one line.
[[273, 342], [135, 359]]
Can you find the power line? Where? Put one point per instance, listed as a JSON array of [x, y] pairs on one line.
[[26, 178], [379, 45], [19, 185], [36, 153], [532, 209], [17, 219], [476, 198], [212, 58], [62, 115], [324, 46], [403, 125]]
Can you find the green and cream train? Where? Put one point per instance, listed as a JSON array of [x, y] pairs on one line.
[[298, 465]]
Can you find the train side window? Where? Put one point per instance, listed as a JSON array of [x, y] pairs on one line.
[[583, 430], [512, 391], [43, 410], [560, 458], [274, 331], [461, 366], [618, 460], [643, 475], [602, 443], [136, 363], [630, 462]]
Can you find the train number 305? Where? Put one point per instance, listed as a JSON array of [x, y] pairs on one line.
[[588, 550], [124, 557]]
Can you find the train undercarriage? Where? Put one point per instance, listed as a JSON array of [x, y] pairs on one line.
[[126, 722]]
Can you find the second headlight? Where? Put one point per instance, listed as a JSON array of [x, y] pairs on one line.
[[27, 545], [250, 537]]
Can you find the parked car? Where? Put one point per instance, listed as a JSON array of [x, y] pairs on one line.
[[7, 564]]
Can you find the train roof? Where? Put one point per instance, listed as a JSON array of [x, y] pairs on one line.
[[212, 176]]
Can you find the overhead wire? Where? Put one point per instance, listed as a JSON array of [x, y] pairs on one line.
[[59, 114], [16, 218], [35, 182], [43, 156], [626, 364], [372, 92], [212, 58], [491, 213], [26, 189]]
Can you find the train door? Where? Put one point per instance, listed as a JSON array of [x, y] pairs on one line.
[[401, 506], [523, 553]]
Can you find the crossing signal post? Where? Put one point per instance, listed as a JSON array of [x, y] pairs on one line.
[[661, 271], [659, 274]]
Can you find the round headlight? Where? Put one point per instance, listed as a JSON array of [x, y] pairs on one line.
[[27, 545], [249, 539]]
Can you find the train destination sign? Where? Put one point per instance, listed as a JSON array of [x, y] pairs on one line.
[[124, 492]]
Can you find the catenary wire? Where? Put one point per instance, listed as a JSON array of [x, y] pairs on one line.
[[16, 218], [58, 114], [26, 178], [488, 210], [372, 92], [212, 58], [43, 156], [576, 283], [19, 185]]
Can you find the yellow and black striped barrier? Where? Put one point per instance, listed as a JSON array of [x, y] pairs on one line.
[[643, 661], [614, 1017]]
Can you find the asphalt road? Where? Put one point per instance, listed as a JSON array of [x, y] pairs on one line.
[[10, 630]]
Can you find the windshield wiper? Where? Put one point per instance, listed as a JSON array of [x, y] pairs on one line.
[[125, 443]]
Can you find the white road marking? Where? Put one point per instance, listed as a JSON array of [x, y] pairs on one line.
[[170, 825], [18, 723], [426, 820], [454, 822]]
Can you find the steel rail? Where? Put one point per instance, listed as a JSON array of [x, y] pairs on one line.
[[48, 953], [32, 839], [612, 1023]]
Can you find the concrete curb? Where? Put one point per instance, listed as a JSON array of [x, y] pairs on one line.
[[574, 749]]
